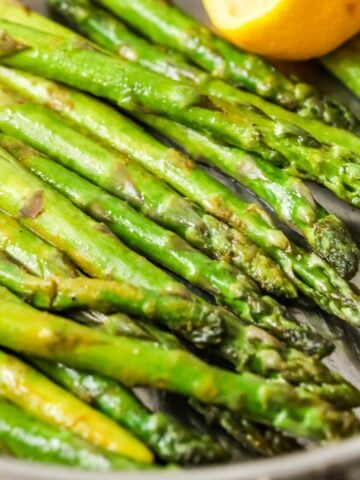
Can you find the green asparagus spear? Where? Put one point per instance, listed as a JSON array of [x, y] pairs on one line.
[[164, 23], [312, 276], [266, 443], [344, 63], [26, 437], [39, 257], [168, 439], [290, 198], [14, 10], [324, 164], [151, 90], [62, 294], [33, 392], [346, 141], [142, 363], [229, 286], [202, 231]]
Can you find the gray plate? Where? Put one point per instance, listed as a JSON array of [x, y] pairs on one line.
[[320, 463]]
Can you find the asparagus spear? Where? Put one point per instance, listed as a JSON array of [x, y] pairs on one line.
[[168, 439], [39, 257], [164, 23], [307, 271], [344, 63], [266, 443], [199, 229], [290, 198], [26, 437], [33, 392], [236, 126], [107, 296], [142, 363], [115, 401], [14, 9], [227, 285]]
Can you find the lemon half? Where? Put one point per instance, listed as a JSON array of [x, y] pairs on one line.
[[286, 29]]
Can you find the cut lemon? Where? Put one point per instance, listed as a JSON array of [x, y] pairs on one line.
[[286, 29]]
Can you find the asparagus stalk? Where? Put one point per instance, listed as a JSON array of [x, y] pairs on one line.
[[133, 362], [244, 346], [40, 258], [266, 443], [290, 198], [312, 276], [344, 63], [201, 230], [168, 439], [165, 24], [33, 392], [305, 160], [236, 126], [346, 141], [229, 287], [26, 437], [14, 9]]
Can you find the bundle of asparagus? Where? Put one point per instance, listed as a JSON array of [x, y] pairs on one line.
[[301, 154], [333, 295], [88, 200], [164, 23]]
